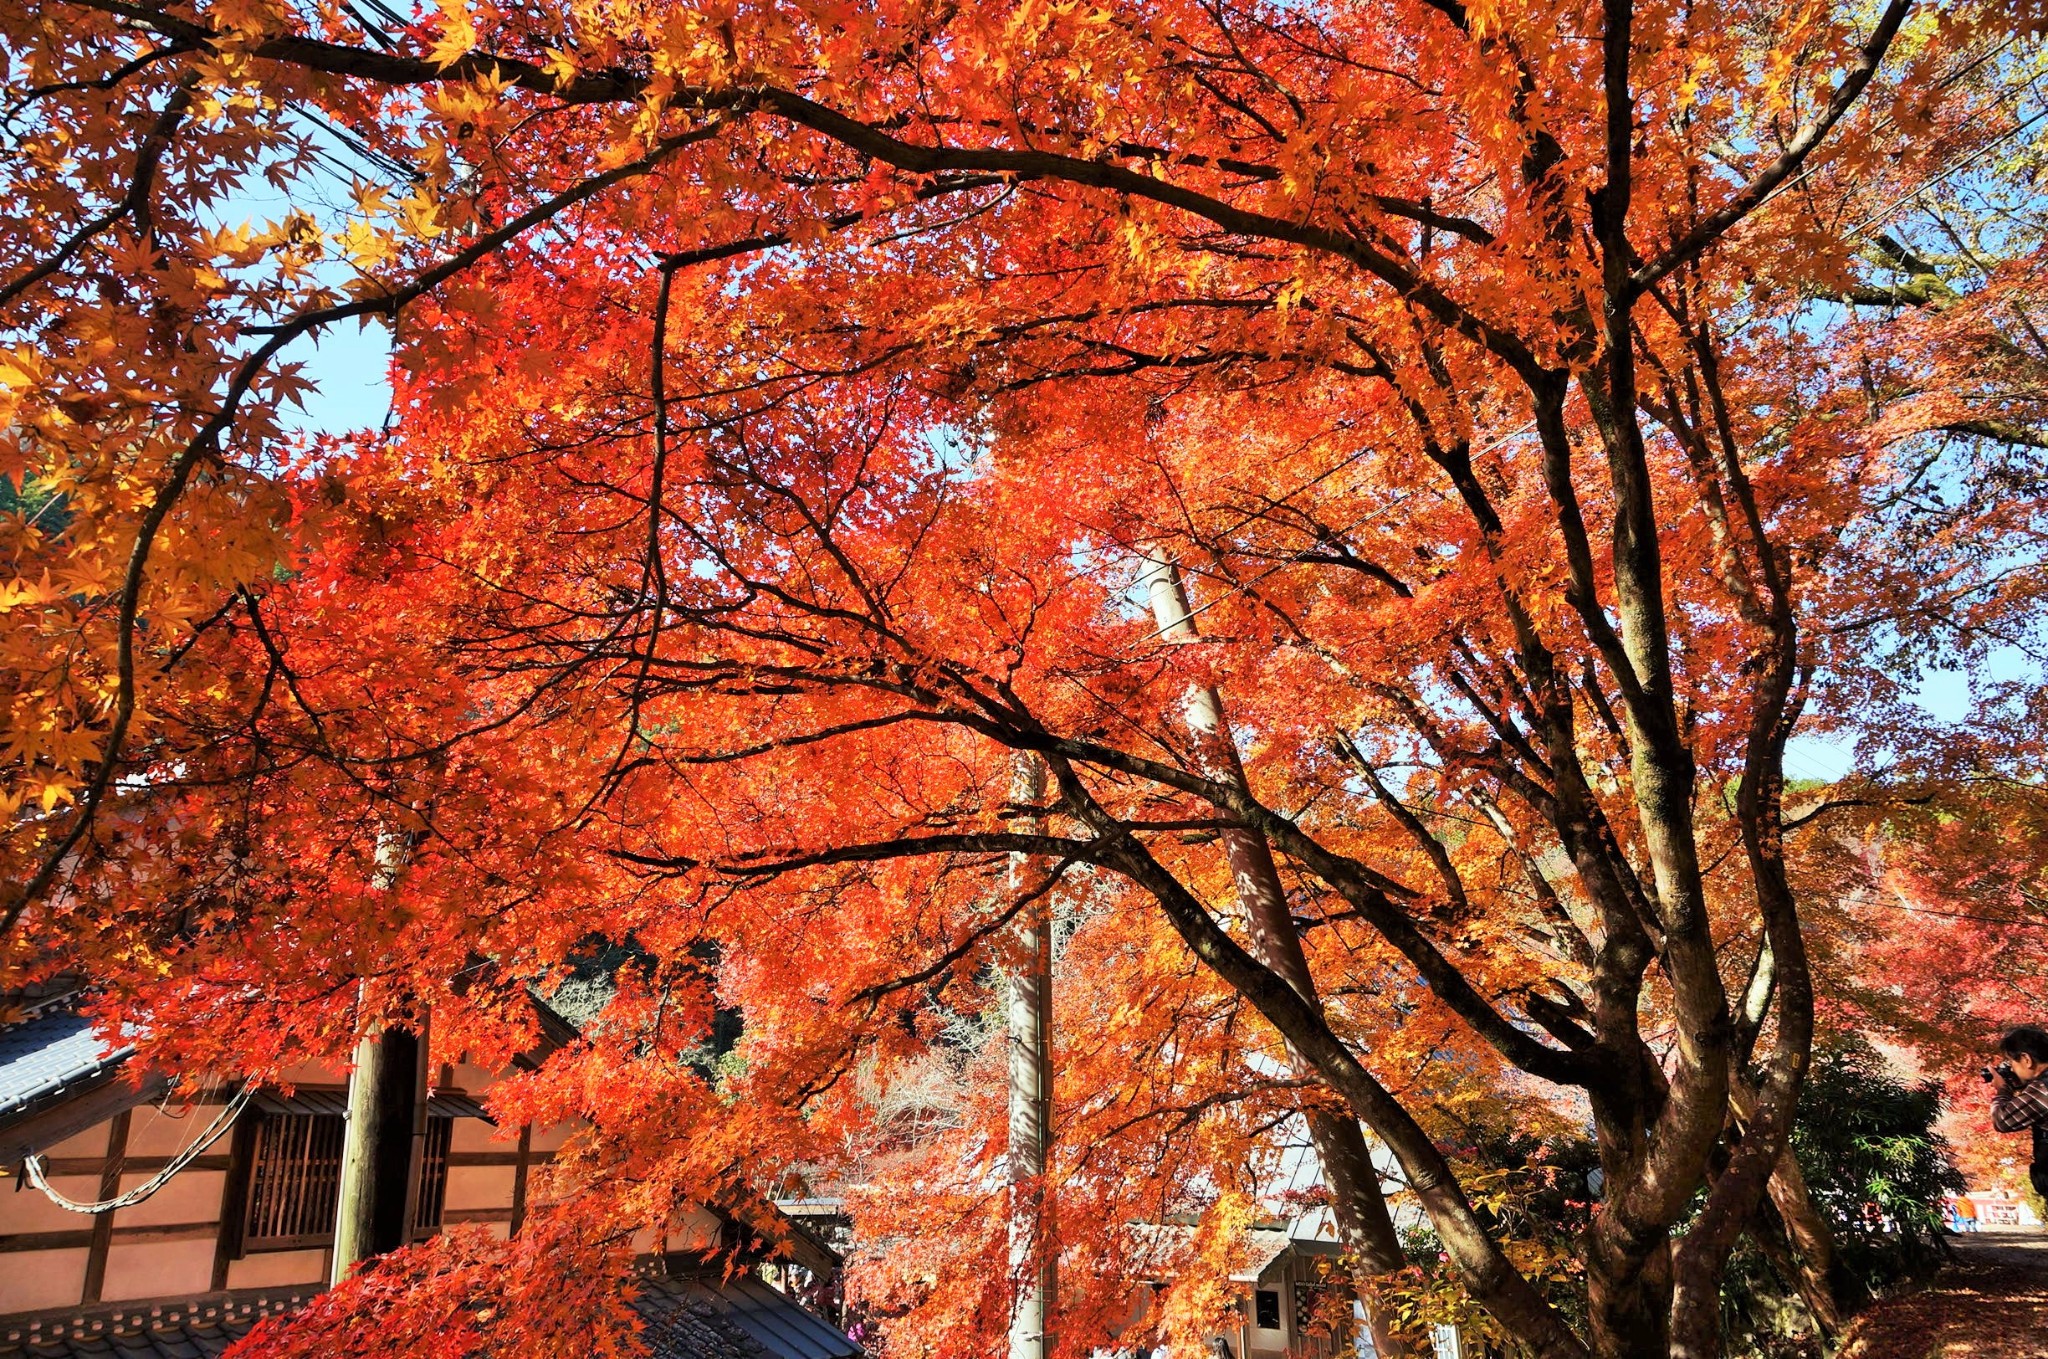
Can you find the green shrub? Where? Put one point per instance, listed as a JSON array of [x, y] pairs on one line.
[[1876, 1171]]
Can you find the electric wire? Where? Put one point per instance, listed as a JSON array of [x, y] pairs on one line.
[[1379, 512]]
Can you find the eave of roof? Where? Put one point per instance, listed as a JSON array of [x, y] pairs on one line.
[[729, 1318], [54, 1053]]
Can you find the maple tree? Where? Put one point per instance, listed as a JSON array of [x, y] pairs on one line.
[[1533, 406]]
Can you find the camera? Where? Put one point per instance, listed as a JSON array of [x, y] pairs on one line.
[[2005, 1070]]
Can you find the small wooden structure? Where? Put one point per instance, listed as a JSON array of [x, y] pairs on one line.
[[246, 1228], [1284, 1284]]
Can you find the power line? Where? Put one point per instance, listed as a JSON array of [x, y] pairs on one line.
[[1957, 168], [1352, 527], [1947, 915]]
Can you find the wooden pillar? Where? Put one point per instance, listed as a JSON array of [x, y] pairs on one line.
[[103, 1222], [381, 1147], [519, 1178], [1034, 1257], [416, 1143], [234, 1198], [384, 1138]]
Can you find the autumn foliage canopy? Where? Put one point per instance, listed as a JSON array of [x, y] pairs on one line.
[[1449, 449]]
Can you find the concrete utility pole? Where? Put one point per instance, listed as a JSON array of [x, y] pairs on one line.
[[1363, 1222], [1034, 1260], [384, 1140]]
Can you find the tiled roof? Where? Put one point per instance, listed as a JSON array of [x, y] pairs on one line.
[[739, 1318], [43, 1055], [691, 1328], [334, 1103], [195, 1340], [199, 1328], [592, 981], [685, 1319]]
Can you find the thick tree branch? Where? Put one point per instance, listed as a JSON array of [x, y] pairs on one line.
[[1752, 195]]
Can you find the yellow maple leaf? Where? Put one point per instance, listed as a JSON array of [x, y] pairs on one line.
[[364, 245], [18, 368], [458, 35], [419, 217], [370, 198], [1289, 297]]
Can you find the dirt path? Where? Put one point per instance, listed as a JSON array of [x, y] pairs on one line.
[[1992, 1303]]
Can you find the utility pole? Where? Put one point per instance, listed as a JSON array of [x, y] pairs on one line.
[[384, 1138], [1363, 1223], [381, 1148], [1034, 1259]]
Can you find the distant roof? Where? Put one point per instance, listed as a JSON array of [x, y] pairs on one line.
[[740, 1318], [1265, 1247], [591, 982], [1262, 1243], [52, 1052]]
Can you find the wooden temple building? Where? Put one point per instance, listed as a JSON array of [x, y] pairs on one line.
[[246, 1228]]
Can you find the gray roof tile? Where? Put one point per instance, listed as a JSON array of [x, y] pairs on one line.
[[48, 1053], [192, 1328], [739, 1318], [191, 1340]]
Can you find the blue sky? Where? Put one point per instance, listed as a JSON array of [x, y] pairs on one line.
[[349, 365], [1946, 695]]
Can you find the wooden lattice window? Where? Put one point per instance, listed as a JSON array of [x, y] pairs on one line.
[[295, 1181], [433, 1189]]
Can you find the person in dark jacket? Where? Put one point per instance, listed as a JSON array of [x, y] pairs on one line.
[[2019, 1096]]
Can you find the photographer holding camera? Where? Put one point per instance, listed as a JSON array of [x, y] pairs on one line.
[[2019, 1098]]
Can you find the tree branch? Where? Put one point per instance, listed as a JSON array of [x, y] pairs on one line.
[[1752, 195]]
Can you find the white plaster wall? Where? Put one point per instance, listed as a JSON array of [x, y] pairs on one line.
[[1259, 1341], [313, 1073], [473, 1134], [190, 1196], [24, 1209], [1267, 1342], [166, 1132], [473, 1187], [551, 1138], [473, 1079], [278, 1268], [49, 1278], [158, 1269]]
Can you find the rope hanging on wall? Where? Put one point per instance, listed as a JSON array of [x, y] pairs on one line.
[[221, 1123]]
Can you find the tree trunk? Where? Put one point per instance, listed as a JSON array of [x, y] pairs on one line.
[[1363, 1222], [1812, 1241], [1034, 1264]]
